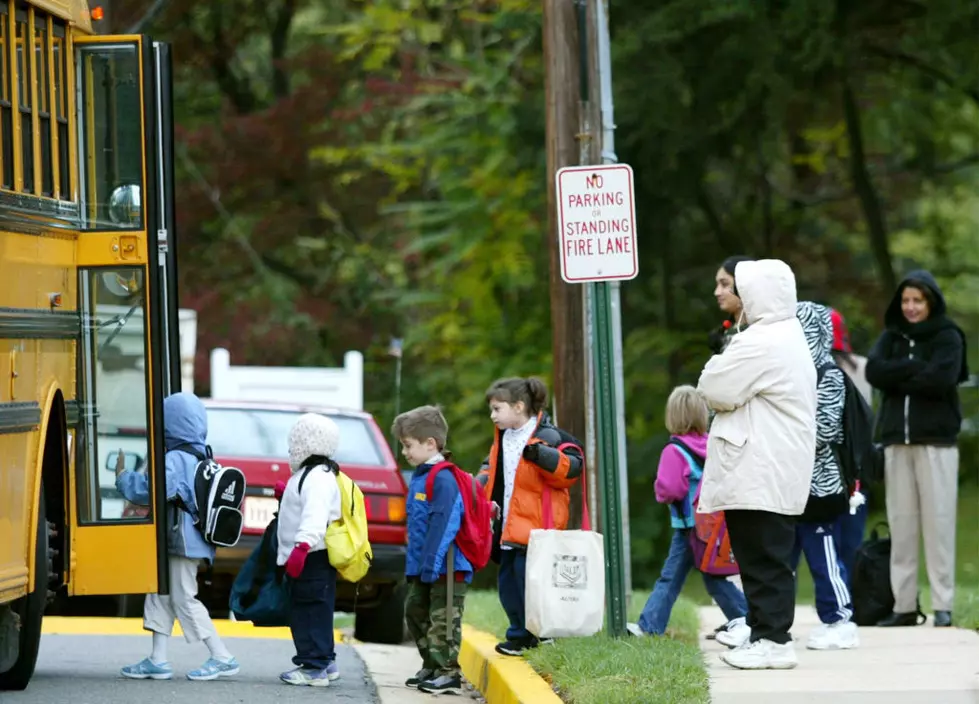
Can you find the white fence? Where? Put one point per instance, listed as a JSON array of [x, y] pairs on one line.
[[341, 387]]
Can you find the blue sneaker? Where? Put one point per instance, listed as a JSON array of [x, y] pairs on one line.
[[333, 671], [212, 669], [303, 677], [147, 670]]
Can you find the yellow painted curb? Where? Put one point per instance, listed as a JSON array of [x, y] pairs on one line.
[[90, 626], [501, 679]]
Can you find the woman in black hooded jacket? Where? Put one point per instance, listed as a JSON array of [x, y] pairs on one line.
[[918, 363]]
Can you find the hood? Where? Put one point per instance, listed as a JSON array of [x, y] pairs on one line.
[[937, 320], [184, 421], [841, 335], [312, 435], [817, 324], [895, 319], [695, 441], [767, 290]]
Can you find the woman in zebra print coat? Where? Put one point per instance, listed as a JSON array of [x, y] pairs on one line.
[[827, 493]]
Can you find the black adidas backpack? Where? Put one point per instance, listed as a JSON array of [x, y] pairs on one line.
[[858, 456], [220, 492]]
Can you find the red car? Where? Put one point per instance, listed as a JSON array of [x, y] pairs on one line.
[[252, 436]]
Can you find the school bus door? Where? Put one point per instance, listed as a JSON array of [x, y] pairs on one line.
[[125, 297]]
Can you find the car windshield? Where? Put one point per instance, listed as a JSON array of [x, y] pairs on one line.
[[260, 434]]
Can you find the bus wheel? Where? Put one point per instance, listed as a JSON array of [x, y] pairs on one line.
[[30, 610]]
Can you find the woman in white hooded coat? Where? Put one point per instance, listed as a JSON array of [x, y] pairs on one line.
[[760, 453]]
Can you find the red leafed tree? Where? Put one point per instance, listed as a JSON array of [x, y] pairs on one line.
[[280, 255]]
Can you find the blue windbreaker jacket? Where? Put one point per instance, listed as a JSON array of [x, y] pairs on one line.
[[433, 523], [184, 423]]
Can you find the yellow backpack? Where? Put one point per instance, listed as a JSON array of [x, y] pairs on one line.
[[346, 539]]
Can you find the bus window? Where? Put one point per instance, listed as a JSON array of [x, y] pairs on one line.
[[41, 64], [25, 100], [60, 77], [112, 389], [111, 139], [6, 106]]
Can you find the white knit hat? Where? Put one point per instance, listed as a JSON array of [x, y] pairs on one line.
[[312, 434]]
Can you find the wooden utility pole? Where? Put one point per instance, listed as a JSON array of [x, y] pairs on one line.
[[561, 88]]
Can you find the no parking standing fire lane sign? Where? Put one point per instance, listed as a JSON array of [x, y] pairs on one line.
[[597, 223]]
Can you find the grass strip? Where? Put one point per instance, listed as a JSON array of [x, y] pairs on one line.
[[603, 670]]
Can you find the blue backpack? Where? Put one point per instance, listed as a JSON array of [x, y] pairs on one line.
[[260, 592]]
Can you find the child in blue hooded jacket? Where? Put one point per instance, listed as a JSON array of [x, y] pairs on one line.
[[433, 523], [185, 424]]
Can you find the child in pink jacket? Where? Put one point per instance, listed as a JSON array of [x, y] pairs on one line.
[[681, 467]]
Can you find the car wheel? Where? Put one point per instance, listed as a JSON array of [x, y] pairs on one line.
[[385, 623]]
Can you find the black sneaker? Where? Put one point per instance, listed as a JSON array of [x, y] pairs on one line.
[[513, 647], [443, 684], [422, 675], [900, 619], [723, 627]]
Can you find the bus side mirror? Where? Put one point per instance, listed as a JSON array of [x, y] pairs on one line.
[[132, 459]]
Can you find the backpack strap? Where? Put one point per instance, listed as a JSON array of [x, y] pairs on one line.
[[201, 457], [547, 517], [450, 579], [432, 472], [822, 369], [208, 454], [689, 455], [697, 457]]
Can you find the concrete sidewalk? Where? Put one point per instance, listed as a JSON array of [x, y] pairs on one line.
[[920, 665]]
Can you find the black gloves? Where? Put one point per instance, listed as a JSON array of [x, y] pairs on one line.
[[531, 453]]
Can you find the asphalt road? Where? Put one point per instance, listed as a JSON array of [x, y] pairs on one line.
[[84, 669]]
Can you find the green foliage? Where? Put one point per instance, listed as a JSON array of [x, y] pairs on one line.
[[359, 171]]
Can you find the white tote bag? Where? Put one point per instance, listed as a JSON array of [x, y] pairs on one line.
[[564, 594], [565, 586]]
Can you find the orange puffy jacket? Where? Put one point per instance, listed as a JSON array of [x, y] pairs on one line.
[[555, 469]]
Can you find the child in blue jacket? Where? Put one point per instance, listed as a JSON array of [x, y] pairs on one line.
[[433, 523], [185, 424]]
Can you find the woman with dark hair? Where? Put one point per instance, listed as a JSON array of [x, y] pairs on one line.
[[918, 363], [726, 294]]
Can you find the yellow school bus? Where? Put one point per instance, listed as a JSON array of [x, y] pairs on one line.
[[88, 314]]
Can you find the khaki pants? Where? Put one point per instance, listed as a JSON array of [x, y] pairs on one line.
[[159, 612], [922, 491]]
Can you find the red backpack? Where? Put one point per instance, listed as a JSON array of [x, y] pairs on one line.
[[475, 536]]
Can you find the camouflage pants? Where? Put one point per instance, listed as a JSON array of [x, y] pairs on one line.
[[426, 613]]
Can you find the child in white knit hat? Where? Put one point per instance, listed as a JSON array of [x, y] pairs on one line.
[[311, 500]]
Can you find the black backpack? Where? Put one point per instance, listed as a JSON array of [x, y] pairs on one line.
[[220, 492], [870, 582], [859, 458]]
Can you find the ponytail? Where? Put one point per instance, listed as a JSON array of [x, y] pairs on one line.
[[532, 391]]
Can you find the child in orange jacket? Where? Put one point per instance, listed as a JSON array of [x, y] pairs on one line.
[[530, 468]]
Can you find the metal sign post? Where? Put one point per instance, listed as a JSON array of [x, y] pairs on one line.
[[597, 239], [596, 222], [608, 459]]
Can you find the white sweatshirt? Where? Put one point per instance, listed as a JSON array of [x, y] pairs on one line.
[[303, 519]]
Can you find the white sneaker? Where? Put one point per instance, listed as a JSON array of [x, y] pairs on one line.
[[635, 630], [737, 634], [762, 655], [834, 636]]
